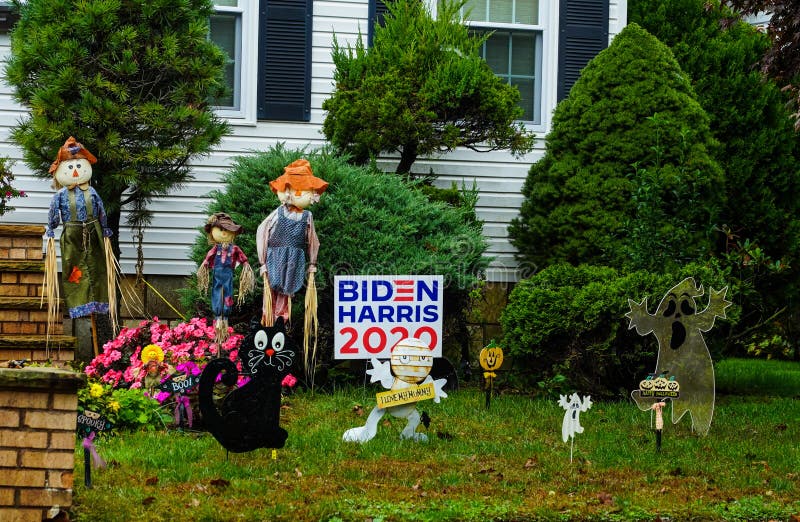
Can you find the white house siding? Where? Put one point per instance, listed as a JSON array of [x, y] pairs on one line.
[[177, 218]]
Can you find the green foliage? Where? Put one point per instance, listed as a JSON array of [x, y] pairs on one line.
[[368, 222], [129, 79], [421, 88], [570, 321], [759, 149], [758, 377], [507, 463], [127, 409], [579, 198], [7, 192]]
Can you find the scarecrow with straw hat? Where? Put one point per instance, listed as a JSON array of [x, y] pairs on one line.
[[88, 266], [222, 259], [287, 247]]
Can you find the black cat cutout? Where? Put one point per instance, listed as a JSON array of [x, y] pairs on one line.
[[249, 415]]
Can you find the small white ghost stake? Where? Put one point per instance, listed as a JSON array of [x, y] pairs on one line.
[[572, 422]]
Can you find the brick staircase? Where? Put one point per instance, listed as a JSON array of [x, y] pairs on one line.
[[23, 321]]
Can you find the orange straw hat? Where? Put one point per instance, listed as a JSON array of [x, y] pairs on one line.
[[71, 149], [298, 176]]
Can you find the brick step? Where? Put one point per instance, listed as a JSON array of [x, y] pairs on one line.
[[20, 231], [21, 265], [21, 242], [22, 303], [21, 278], [35, 348], [25, 316]]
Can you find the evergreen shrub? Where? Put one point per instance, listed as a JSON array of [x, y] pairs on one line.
[[565, 327], [368, 223], [579, 202]]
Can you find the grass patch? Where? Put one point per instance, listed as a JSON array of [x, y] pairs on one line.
[[507, 463], [758, 377]]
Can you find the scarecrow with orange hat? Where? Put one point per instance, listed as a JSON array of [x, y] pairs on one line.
[[88, 267], [287, 246], [222, 259]]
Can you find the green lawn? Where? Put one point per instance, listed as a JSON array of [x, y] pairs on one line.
[[508, 463]]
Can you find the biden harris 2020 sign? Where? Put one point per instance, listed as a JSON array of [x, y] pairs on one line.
[[373, 312]]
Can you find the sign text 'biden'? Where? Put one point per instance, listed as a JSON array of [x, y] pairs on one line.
[[372, 313]]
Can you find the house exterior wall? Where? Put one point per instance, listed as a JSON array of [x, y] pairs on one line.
[[179, 216]]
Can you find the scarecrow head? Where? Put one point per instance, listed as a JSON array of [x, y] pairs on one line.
[[221, 228], [297, 186], [72, 166]]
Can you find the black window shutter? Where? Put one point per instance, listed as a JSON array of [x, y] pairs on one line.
[[284, 60], [583, 32], [376, 11]]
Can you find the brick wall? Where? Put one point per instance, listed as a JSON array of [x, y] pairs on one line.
[[38, 412], [23, 320]]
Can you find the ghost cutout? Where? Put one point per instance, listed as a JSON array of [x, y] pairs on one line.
[[572, 422], [682, 351], [408, 367]]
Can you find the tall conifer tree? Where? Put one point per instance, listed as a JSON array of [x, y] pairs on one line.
[[130, 79]]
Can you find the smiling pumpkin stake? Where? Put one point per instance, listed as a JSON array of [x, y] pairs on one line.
[[491, 358]]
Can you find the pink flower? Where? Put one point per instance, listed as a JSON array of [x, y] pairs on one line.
[[162, 396], [290, 380]]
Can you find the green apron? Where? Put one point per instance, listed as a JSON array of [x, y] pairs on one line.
[[83, 262]]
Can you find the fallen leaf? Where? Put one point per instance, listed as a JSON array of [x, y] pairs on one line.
[[530, 463], [148, 500], [298, 473], [486, 470], [444, 435], [222, 483], [663, 490], [415, 487], [195, 502], [151, 481], [605, 499], [472, 458], [795, 518], [358, 410]]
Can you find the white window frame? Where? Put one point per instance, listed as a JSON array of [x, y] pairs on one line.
[[245, 73], [546, 58]]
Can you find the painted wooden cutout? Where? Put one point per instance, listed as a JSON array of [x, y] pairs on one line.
[[682, 350], [573, 406], [249, 416], [491, 359], [407, 377]]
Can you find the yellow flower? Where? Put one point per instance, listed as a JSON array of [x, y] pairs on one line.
[[96, 390], [113, 406]]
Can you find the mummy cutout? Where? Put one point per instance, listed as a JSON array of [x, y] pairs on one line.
[[406, 375]]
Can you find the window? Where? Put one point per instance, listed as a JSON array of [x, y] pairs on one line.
[[232, 28], [268, 70], [514, 50], [284, 60]]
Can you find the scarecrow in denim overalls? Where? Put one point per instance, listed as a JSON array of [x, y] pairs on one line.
[[287, 246], [221, 261]]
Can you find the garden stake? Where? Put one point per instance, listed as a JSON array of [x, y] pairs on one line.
[[491, 358]]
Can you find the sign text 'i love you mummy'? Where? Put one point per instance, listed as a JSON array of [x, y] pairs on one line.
[[372, 313]]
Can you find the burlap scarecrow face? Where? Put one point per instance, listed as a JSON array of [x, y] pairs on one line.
[[73, 164], [298, 186]]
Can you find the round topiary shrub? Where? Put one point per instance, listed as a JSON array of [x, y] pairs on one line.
[[566, 329], [368, 223]]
